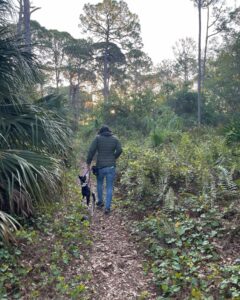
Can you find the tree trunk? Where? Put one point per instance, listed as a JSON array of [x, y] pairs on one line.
[[105, 78], [75, 105], [20, 19], [106, 66], [199, 60], [74, 99], [205, 49], [27, 31], [185, 73], [81, 104], [57, 72]]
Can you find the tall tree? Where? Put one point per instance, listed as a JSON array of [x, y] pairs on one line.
[[213, 27], [116, 63], [185, 56], [50, 49], [166, 77], [27, 30], [218, 19], [20, 18], [110, 22], [24, 22], [78, 71], [139, 67], [56, 43], [200, 4], [223, 81]]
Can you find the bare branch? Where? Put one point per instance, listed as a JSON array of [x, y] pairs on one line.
[[34, 9], [217, 17]]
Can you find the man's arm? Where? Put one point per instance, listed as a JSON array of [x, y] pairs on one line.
[[91, 152], [118, 150]]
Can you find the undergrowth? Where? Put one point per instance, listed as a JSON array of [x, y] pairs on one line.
[[42, 263], [187, 255], [184, 198]]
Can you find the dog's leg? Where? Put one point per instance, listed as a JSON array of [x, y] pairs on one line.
[[83, 199], [88, 199], [94, 198]]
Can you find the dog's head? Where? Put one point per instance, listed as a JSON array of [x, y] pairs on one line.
[[82, 179]]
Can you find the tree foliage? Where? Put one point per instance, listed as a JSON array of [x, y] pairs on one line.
[[185, 56], [115, 29], [50, 48], [223, 79]]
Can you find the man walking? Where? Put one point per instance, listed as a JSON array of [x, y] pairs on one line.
[[108, 149]]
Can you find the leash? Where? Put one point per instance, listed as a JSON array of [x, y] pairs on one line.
[[86, 173], [89, 179], [91, 193]]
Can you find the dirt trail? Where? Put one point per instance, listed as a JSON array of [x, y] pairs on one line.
[[115, 263]]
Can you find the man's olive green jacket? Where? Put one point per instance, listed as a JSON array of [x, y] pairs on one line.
[[108, 149]]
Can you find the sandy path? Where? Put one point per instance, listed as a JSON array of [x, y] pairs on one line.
[[115, 263]]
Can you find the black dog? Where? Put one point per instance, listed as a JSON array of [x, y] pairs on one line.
[[86, 192]]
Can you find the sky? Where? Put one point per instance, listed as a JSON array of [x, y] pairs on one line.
[[163, 22]]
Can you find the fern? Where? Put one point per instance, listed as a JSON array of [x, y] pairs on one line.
[[163, 189], [213, 191], [170, 200], [226, 181], [226, 188]]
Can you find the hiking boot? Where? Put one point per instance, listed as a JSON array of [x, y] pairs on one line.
[[99, 205], [107, 211]]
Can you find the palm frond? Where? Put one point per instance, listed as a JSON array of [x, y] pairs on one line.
[[18, 67], [55, 103], [26, 176], [6, 9], [7, 226], [30, 135], [31, 127]]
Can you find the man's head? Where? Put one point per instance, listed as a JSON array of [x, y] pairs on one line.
[[104, 129]]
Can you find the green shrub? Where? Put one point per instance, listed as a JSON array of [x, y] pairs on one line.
[[157, 138], [199, 166], [232, 132]]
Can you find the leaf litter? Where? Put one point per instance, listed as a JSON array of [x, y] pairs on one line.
[[116, 265]]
